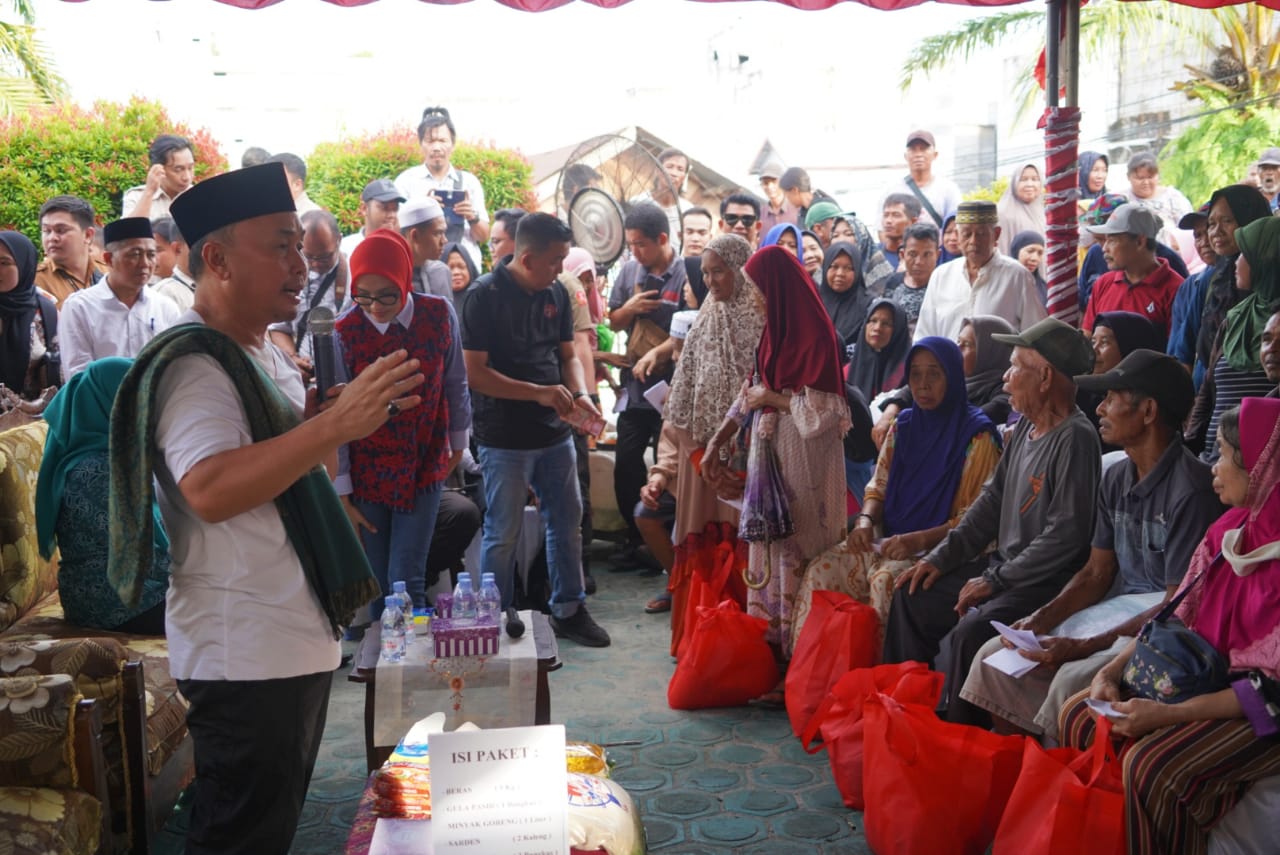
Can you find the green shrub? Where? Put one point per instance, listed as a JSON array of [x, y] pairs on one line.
[[991, 193], [338, 171], [1217, 150], [94, 153]]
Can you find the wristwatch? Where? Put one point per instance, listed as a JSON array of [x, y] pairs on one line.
[[472, 222], [579, 394]]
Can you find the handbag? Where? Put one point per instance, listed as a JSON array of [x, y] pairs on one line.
[[931, 786], [840, 721], [1066, 801], [726, 663], [1172, 662], [643, 337], [840, 635]]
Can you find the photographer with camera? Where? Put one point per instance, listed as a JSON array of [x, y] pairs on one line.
[[458, 191]]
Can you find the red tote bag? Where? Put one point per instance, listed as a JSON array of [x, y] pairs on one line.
[[840, 635], [726, 663], [840, 720], [933, 787], [1066, 801]]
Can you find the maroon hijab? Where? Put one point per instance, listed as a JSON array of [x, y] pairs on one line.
[[798, 347]]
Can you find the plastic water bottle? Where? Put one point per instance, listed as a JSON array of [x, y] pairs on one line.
[[406, 609], [489, 606], [392, 630], [464, 598]]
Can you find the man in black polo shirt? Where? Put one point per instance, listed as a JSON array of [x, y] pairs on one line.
[[517, 340]]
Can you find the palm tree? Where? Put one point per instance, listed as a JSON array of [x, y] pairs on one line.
[[27, 76], [1243, 38]]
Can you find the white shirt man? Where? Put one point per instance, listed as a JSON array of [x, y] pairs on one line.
[[983, 282], [180, 288], [121, 313], [942, 193], [222, 610], [416, 182]]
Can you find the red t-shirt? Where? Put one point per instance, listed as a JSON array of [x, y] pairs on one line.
[[1152, 297]]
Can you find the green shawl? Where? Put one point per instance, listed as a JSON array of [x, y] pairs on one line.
[[332, 560], [1259, 243]]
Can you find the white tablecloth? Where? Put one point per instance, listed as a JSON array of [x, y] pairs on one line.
[[496, 691]]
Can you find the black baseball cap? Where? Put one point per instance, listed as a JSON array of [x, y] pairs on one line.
[[1154, 374]]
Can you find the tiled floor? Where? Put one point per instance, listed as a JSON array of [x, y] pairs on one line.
[[711, 781]]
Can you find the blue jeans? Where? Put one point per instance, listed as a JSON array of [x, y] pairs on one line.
[[552, 472], [398, 550]]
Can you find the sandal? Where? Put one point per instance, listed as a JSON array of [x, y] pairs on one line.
[[774, 699], [659, 604]]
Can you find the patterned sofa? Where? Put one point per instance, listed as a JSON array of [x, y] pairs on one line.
[[148, 755], [53, 790]]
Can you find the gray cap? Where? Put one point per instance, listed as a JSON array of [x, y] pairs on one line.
[[1270, 157], [1065, 348], [772, 169], [381, 190], [1131, 219]]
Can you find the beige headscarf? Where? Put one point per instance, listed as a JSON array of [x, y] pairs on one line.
[[720, 351]]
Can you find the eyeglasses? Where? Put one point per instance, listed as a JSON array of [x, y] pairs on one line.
[[328, 259], [380, 299], [747, 220]]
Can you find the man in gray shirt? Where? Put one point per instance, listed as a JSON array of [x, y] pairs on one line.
[[1154, 507], [1038, 507]]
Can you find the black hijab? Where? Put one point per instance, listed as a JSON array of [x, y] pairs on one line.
[[876, 371], [1087, 160], [1132, 332], [452, 247], [848, 308], [18, 309], [1247, 204]]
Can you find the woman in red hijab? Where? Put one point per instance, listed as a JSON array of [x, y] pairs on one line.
[[1186, 764], [794, 415]]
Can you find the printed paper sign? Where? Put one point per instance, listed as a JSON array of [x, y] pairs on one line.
[[499, 791]]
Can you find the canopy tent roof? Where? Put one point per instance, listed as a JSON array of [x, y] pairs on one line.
[[806, 5]]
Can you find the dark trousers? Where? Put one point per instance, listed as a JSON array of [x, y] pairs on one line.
[[584, 486], [637, 430], [457, 522], [255, 743], [924, 627]]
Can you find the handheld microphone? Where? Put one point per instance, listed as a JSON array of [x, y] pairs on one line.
[[323, 351], [515, 626]]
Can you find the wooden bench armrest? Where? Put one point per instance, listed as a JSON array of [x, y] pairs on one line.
[[91, 765]]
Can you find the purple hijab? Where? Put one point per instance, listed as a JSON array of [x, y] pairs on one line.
[[931, 447]]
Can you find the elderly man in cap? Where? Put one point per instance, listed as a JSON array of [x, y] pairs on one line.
[[120, 313], [380, 203], [1153, 508], [266, 568], [1138, 280], [423, 225], [778, 208], [1269, 176], [983, 282], [1038, 508]]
